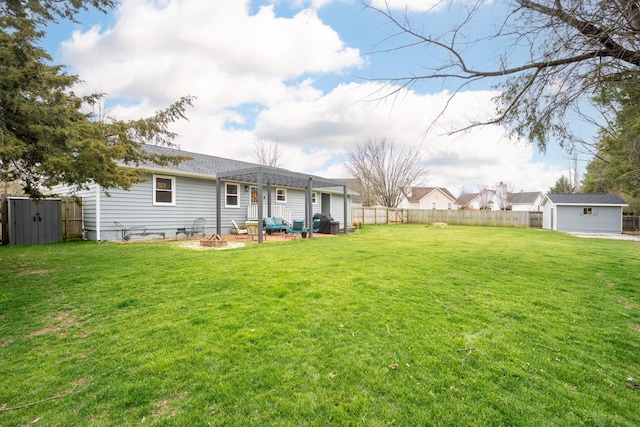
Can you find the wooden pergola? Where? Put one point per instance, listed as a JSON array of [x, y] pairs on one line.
[[264, 175]]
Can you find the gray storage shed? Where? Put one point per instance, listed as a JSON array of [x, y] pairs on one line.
[[32, 221], [583, 213]]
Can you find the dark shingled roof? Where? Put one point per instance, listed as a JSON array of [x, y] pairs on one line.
[[586, 199], [526, 198], [218, 167], [201, 164], [466, 198]]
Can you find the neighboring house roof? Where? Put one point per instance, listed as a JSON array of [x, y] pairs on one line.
[[525, 198], [585, 199], [466, 198], [490, 195], [419, 193]]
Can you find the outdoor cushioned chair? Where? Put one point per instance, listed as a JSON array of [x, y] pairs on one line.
[[316, 226], [275, 223], [269, 224], [235, 229], [196, 228], [297, 228]]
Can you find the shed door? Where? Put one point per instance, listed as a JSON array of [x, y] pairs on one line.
[[34, 221]]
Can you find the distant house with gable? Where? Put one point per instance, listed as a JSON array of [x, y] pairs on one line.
[[429, 198], [527, 201], [486, 199]]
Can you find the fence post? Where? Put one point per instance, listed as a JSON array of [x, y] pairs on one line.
[[4, 218]]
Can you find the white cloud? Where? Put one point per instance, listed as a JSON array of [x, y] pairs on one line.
[[426, 6], [340, 118], [255, 77], [314, 4], [214, 50], [410, 5]]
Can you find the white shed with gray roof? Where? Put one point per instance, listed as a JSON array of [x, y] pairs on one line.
[[583, 213]]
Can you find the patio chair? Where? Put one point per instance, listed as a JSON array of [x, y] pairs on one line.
[[252, 231], [297, 228], [237, 230], [316, 226], [191, 230]]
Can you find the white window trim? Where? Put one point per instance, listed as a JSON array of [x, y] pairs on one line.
[[584, 211], [173, 190], [314, 197], [226, 194], [284, 190]]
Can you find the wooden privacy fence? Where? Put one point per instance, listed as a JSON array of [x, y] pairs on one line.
[[71, 219], [470, 217], [378, 216], [453, 217], [630, 223]]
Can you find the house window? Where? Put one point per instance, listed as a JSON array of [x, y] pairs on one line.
[[314, 197], [449, 206], [231, 195], [587, 211], [164, 190], [433, 205], [281, 195], [254, 195]]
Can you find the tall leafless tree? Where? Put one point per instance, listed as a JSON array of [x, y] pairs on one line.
[[546, 56], [384, 170], [267, 153]]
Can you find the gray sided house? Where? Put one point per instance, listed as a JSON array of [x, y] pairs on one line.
[[584, 213], [217, 189]]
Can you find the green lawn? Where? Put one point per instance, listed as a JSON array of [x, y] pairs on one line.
[[393, 325]]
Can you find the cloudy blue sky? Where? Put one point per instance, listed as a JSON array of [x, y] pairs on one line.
[[299, 72]]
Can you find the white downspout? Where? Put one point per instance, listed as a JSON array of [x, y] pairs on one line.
[[98, 219]]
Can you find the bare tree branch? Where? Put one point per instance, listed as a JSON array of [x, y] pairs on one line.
[[384, 170], [267, 153], [557, 54]]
